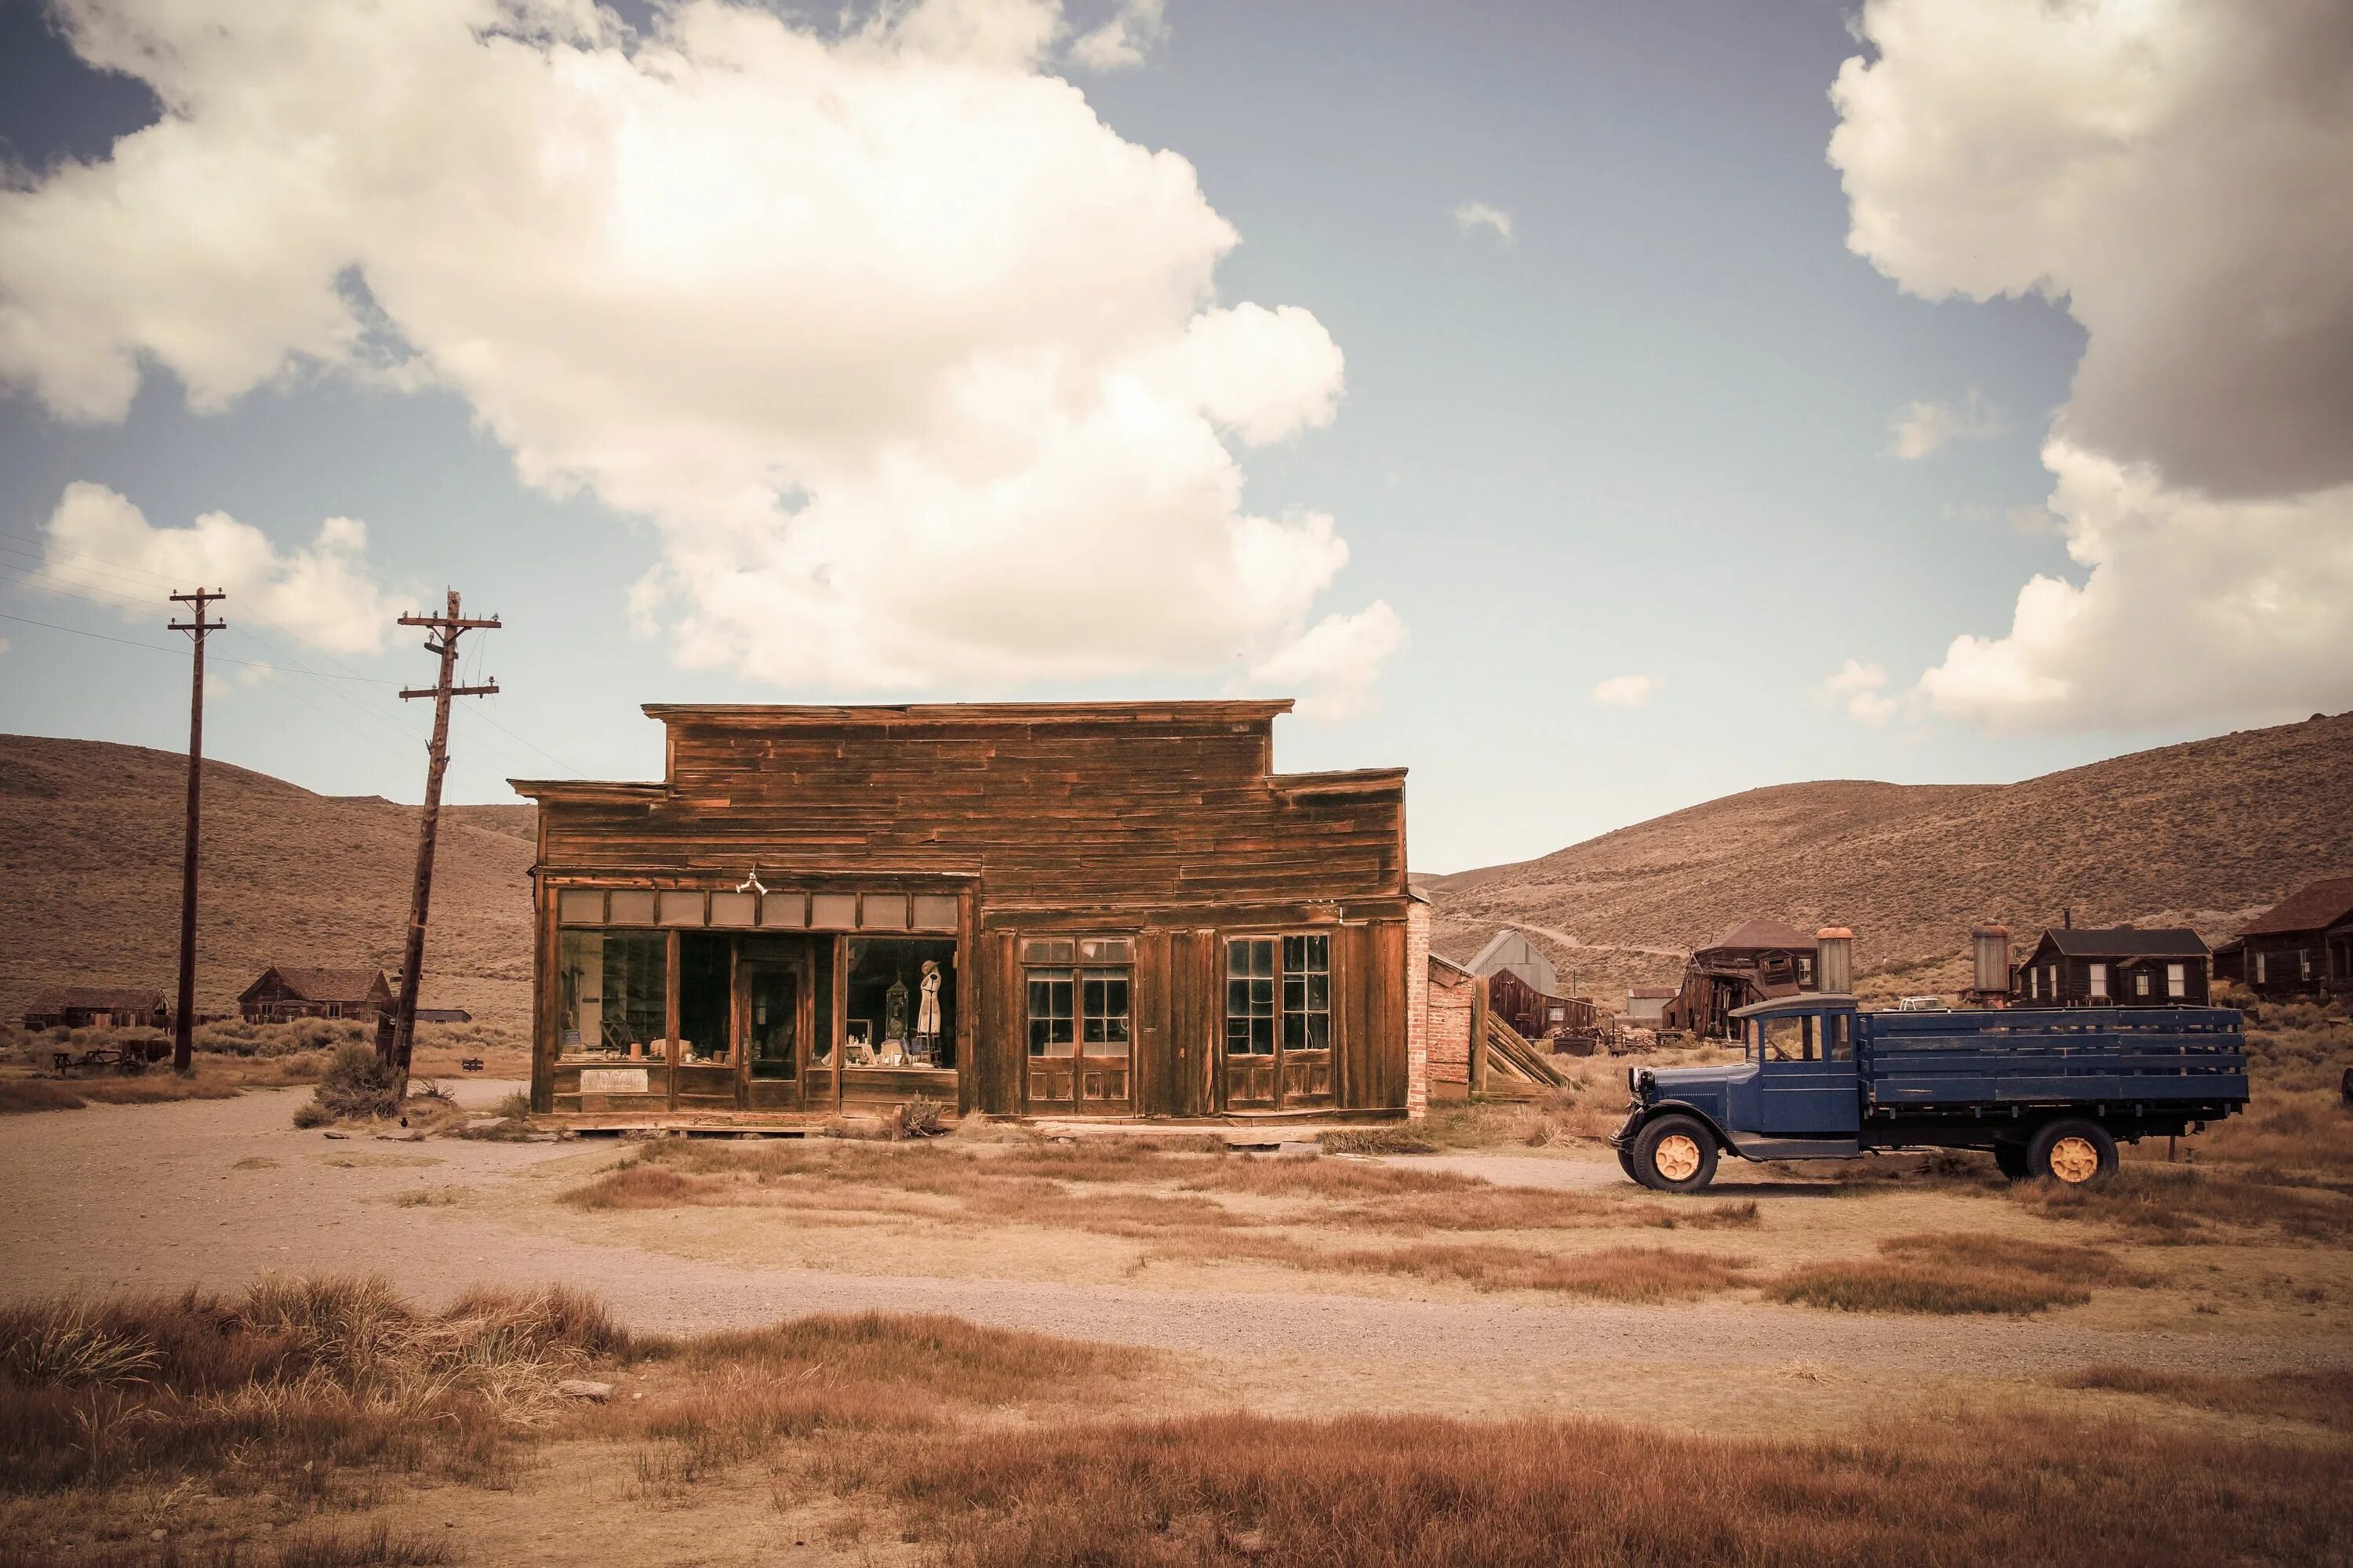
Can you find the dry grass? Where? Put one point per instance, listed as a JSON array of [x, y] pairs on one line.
[[2156, 1202], [286, 1385], [1958, 1272], [2321, 1398], [1385, 1139], [214, 1078], [1390, 1492], [1610, 1274]]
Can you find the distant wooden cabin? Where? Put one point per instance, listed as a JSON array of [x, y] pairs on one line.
[[99, 1007], [1646, 1006], [1753, 962], [443, 1015], [1091, 909], [283, 993], [2302, 946], [2119, 966], [1536, 1014]]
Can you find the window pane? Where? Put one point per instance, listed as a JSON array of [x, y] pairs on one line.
[[1263, 958], [1319, 1032], [1319, 955], [1785, 1039], [1319, 991], [1294, 954], [1295, 1031]]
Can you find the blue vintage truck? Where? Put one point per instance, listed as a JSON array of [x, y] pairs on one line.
[[2050, 1091]]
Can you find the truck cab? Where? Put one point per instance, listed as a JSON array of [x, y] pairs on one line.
[[2049, 1092]]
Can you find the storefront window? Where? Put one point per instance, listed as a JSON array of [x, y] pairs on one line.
[[901, 1004], [614, 988]]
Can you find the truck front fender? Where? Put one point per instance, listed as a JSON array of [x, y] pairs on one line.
[[1644, 1114]]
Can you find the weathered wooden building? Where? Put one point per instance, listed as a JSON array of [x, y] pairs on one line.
[[1753, 962], [2302, 946], [1646, 1005], [99, 1007], [2120, 966], [1538, 1015], [1101, 909], [284, 991]]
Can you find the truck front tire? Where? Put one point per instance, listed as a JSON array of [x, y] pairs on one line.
[[1674, 1154], [2072, 1152]]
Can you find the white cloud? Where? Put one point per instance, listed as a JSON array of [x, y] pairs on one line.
[[1473, 214], [2189, 608], [321, 595], [916, 364], [2172, 172], [1625, 691], [1135, 29], [1921, 427], [1336, 662], [1862, 689]]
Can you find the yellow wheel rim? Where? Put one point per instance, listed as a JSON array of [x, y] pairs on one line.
[[1677, 1157], [2073, 1161]]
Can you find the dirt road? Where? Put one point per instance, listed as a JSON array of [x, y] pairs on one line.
[[216, 1192]]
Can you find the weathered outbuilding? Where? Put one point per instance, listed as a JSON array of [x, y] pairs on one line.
[[1515, 953], [1753, 962], [2302, 946], [1103, 909], [99, 1007], [2113, 966], [284, 991], [1646, 1005]]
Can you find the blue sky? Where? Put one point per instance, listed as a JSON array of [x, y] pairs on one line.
[[1646, 433]]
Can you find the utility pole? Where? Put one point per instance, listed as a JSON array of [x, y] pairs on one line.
[[183, 1059], [445, 630]]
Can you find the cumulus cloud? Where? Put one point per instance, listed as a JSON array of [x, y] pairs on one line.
[[1921, 427], [2189, 608], [1862, 689], [2172, 172], [321, 594], [1625, 691], [1335, 662], [916, 364], [1477, 215], [1134, 30]]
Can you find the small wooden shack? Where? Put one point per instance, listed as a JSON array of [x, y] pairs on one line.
[[1646, 1005], [2302, 946], [284, 991], [2117, 965], [1754, 960], [1086, 909], [99, 1007], [1538, 1015]]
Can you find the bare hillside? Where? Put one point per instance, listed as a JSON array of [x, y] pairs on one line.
[[89, 852], [2202, 833]]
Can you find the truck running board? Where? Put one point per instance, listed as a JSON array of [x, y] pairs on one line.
[[1750, 1147]]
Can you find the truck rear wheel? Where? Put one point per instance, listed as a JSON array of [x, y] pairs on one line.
[[2073, 1152], [1674, 1154]]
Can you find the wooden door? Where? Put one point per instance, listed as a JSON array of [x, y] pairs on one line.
[[774, 1007], [1079, 1038]]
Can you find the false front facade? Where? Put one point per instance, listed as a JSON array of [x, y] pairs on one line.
[[1094, 909]]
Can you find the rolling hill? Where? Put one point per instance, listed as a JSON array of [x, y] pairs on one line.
[[90, 856], [2203, 834]]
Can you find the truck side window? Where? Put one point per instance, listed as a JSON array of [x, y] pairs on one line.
[[1840, 1029], [1791, 1039]]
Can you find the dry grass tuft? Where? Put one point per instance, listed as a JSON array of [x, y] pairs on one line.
[[288, 1384], [1612, 1274], [1385, 1139], [637, 1186], [376, 1548], [2323, 1398], [1958, 1272], [1390, 1492], [2182, 1202]]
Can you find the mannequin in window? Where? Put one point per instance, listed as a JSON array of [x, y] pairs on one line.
[[927, 1014]]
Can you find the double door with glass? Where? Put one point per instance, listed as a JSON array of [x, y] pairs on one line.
[[1081, 1003]]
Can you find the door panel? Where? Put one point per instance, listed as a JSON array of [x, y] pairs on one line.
[[1806, 1076]]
